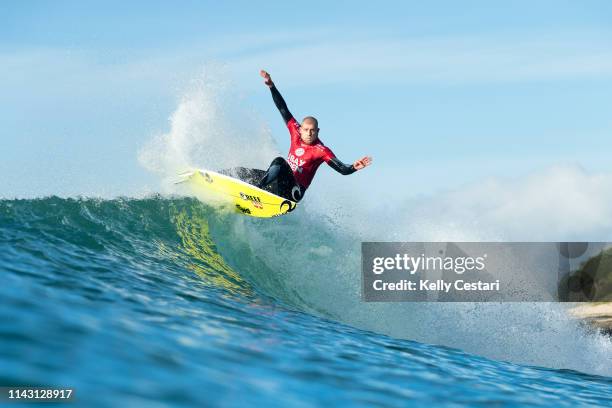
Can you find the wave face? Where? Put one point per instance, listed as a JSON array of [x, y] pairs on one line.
[[170, 301]]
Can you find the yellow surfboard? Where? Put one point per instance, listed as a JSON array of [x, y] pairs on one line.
[[242, 197]]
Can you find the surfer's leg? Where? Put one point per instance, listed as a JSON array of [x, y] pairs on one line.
[[297, 193], [281, 181], [273, 172], [287, 185]]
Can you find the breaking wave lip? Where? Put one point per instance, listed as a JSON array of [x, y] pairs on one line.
[[303, 262]]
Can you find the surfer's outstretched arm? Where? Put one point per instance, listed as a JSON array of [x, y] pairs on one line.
[[342, 168], [346, 169], [277, 97]]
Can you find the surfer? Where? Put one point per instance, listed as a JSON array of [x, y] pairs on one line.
[[290, 178]]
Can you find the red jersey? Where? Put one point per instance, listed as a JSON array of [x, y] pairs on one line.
[[305, 159]]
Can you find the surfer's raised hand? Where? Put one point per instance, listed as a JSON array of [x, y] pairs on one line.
[[267, 78], [362, 163]]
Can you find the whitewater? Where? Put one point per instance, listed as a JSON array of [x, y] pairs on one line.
[[163, 299]]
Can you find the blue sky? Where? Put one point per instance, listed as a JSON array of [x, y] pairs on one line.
[[441, 93]]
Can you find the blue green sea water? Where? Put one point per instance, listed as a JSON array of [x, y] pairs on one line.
[[165, 301]]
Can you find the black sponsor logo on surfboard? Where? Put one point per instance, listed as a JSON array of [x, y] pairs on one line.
[[290, 206], [242, 209], [250, 197]]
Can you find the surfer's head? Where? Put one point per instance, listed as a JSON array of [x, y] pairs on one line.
[[309, 130]]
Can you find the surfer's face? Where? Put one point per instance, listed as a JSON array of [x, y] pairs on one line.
[[309, 132]]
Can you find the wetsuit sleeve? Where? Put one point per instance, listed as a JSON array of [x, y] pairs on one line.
[[330, 158], [344, 169], [280, 104]]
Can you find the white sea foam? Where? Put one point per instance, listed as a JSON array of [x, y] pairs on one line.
[[211, 128], [535, 207], [559, 203]]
